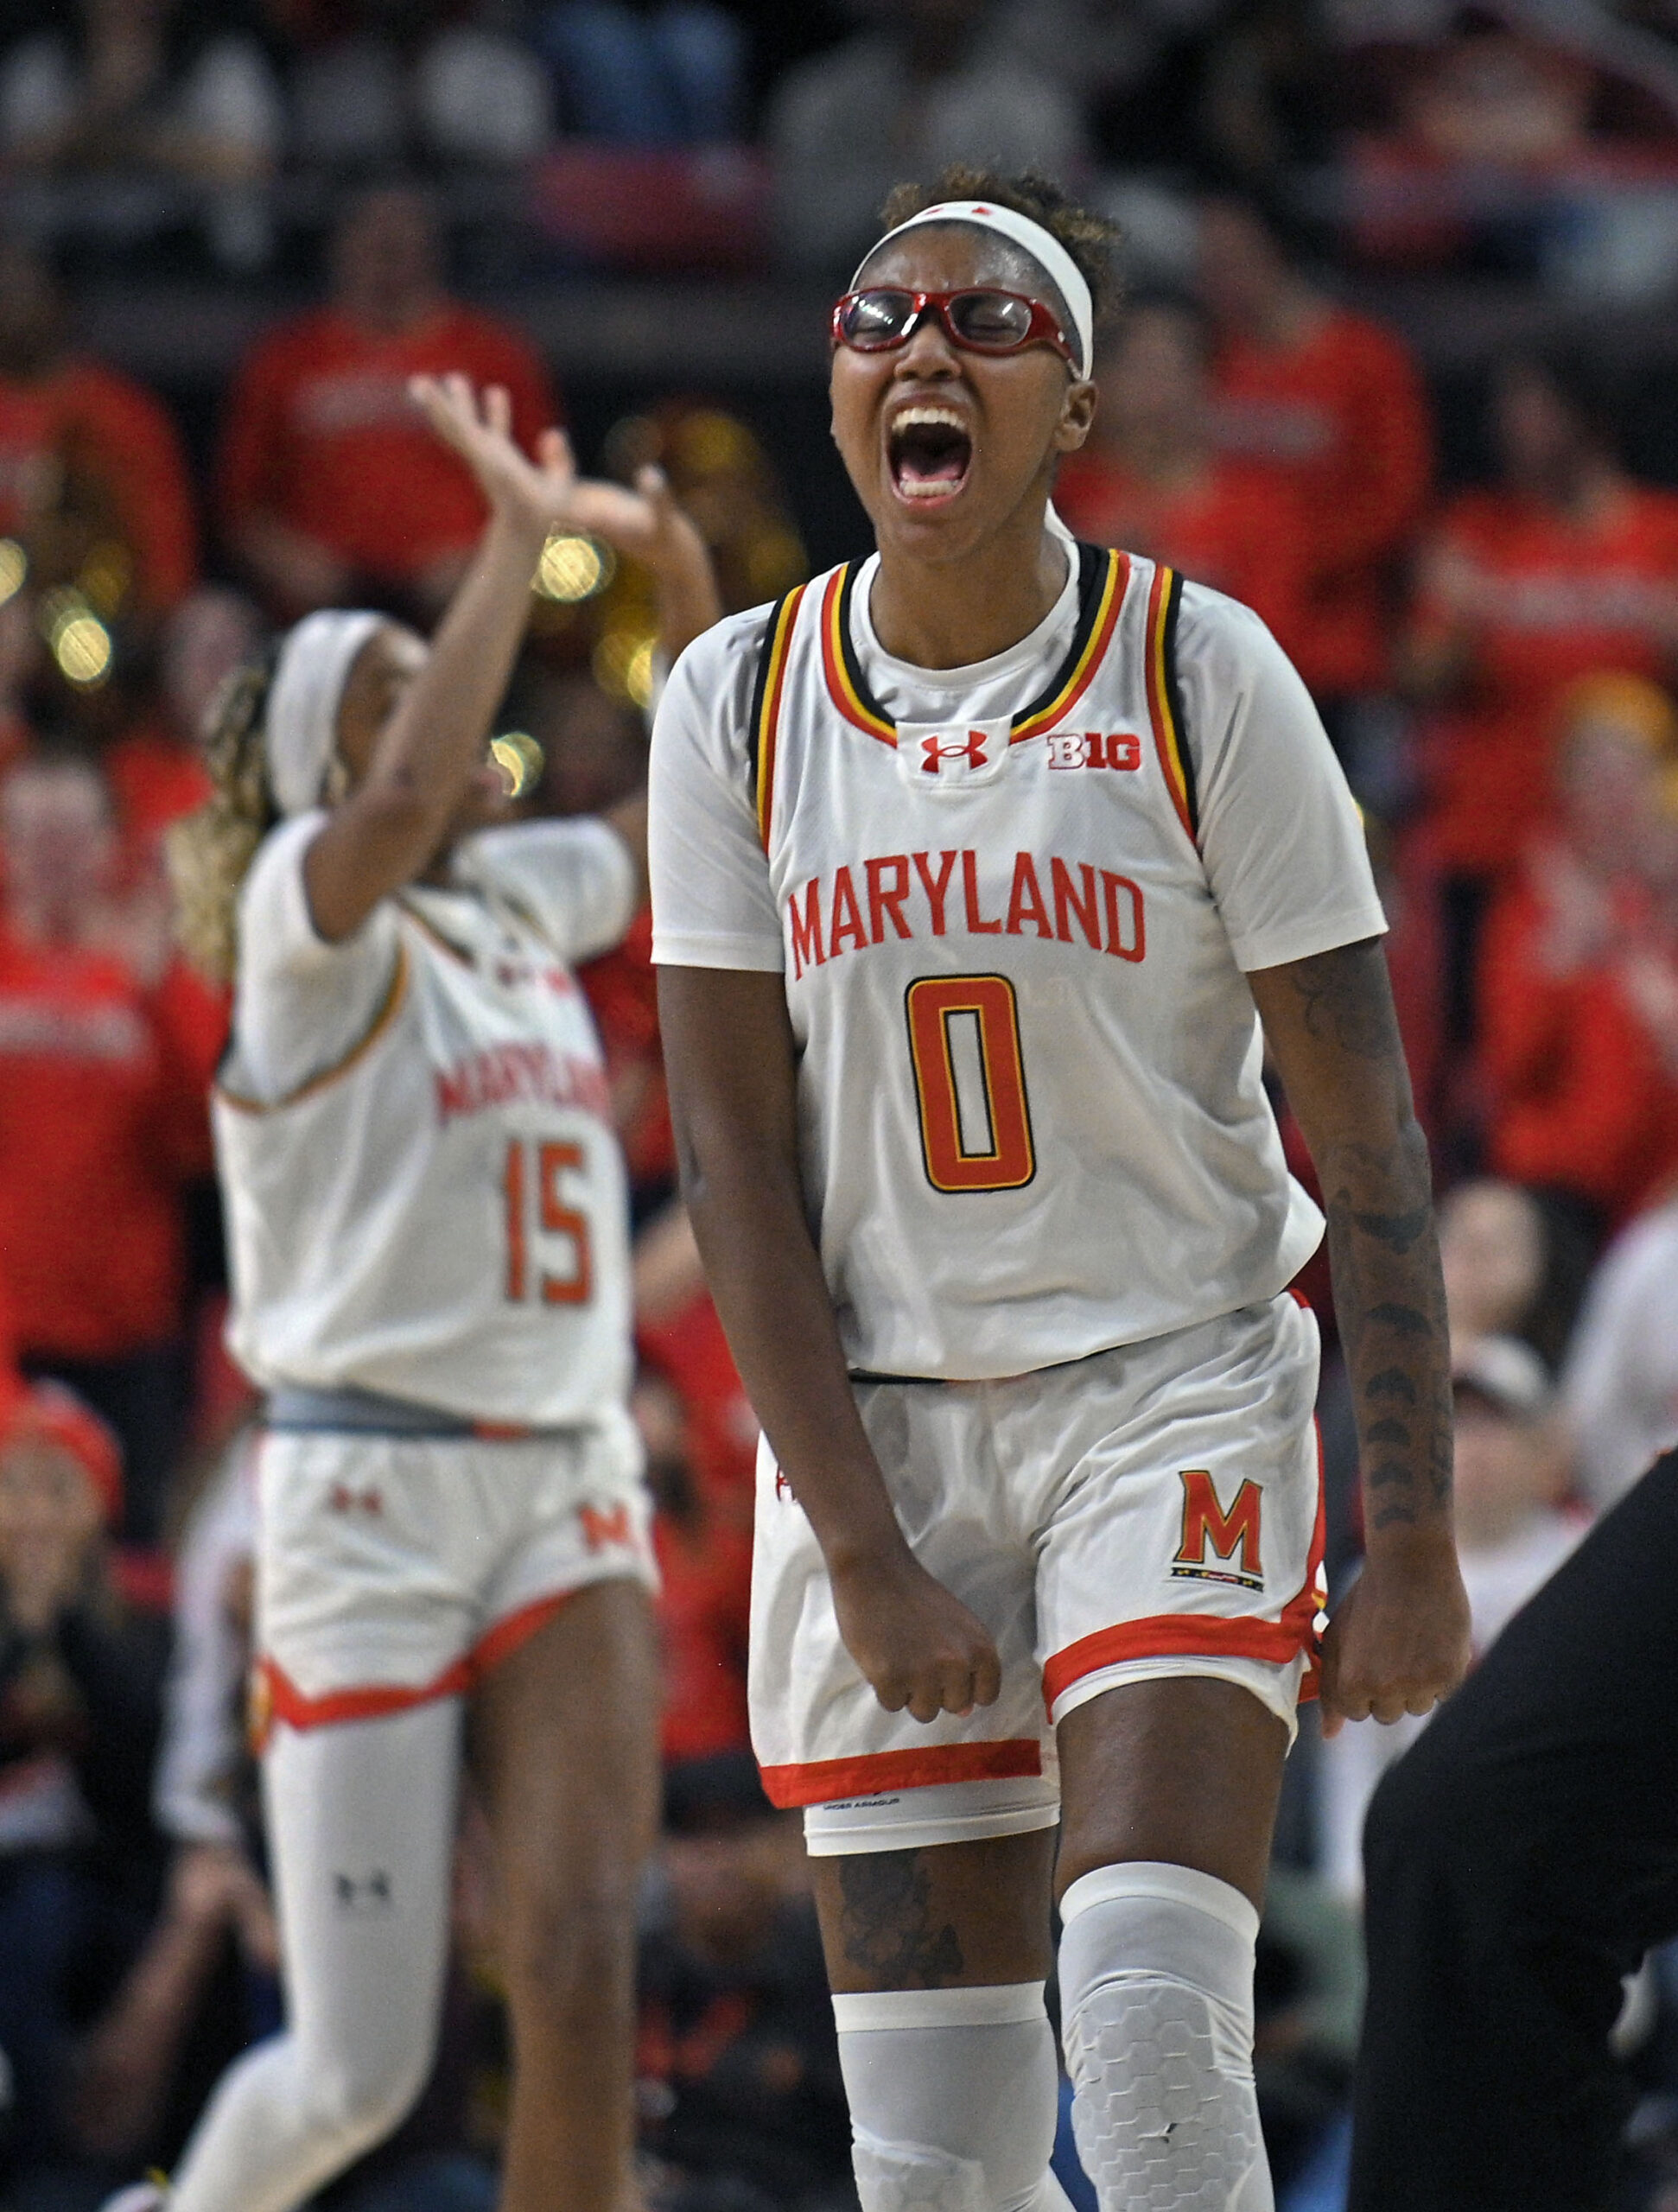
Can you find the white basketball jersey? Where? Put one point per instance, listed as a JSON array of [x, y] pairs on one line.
[[1033, 1122], [442, 1215]]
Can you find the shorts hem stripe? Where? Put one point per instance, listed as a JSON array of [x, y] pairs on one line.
[[819, 1782], [1168, 1636], [278, 1698]]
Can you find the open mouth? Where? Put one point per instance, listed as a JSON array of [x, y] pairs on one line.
[[930, 450]]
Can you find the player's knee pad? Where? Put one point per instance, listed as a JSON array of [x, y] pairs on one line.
[[1156, 1986], [952, 2099], [356, 2098]]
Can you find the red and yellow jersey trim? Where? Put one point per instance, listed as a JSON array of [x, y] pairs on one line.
[[767, 705], [1102, 577], [1163, 706], [1101, 595], [381, 1022], [844, 679]]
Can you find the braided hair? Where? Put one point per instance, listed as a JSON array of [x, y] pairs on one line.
[[211, 851]]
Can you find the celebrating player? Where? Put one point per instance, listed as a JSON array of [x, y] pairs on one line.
[[982, 871], [427, 1217]]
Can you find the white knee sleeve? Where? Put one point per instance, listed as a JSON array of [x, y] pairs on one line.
[[361, 1830], [952, 2099], [1156, 1990]]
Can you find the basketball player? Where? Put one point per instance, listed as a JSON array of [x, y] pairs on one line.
[[427, 1217], [982, 871]]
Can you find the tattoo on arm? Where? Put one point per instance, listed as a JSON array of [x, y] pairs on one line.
[[886, 1923], [1338, 1007], [1389, 1294]]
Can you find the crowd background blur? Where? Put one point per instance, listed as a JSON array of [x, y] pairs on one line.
[[1398, 370]]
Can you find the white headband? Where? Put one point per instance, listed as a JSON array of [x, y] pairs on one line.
[[1030, 237], [300, 730]]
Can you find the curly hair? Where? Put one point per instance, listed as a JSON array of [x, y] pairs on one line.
[[211, 851], [1091, 240]]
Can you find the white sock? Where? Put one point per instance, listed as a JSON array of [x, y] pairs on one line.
[[361, 1838], [952, 2099], [1156, 1991]]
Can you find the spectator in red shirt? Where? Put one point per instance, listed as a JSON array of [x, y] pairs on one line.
[[1152, 480], [1581, 1087], [86, 454], [1563, 567], [1328, 403], [104, 1070], [332, 489]]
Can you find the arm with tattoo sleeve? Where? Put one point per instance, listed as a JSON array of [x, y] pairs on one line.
[[1400, 1641]]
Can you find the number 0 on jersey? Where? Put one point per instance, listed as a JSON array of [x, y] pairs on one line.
[[976, 1129]]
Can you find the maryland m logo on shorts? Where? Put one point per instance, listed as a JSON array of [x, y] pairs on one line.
[[1232, 1536]]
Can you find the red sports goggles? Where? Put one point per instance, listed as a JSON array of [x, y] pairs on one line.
[[981, 321]]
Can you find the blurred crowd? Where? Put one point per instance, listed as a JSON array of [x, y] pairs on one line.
[[1494, 653], [1514, 134]]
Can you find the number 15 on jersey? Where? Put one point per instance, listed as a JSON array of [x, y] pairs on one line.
[[532, 1186]]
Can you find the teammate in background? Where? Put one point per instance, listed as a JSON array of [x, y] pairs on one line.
[[975, 866], [427, 1217]]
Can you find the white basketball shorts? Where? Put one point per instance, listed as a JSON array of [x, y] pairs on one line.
[[392, 1570], [1151, 1510]]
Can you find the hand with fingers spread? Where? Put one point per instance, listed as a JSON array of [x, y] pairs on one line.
[[643, 523], [919, 1647], [1398, 1640], [531, 495]]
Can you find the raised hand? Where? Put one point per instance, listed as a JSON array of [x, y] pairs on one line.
[[533, 495]]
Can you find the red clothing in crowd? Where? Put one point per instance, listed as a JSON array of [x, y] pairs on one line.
[[1236, 530], [1579, 1096], [622, 989], [154, 779], [101, 425], [692, 1353], [323, 435], [1341, 421], [1563, 599], [102, 1115], [704, 1618]]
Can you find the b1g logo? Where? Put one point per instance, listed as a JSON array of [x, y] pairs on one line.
[[1232, 1536], [1095, 748]]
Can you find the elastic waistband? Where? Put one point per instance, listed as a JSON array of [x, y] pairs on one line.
[[369, 1413]]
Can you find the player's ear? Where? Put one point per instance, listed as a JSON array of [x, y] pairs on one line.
[[1077, 413]]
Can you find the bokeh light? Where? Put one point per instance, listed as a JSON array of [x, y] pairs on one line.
[[573, 568], [520, 759]]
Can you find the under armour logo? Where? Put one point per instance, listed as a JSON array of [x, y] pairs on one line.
[[364, 1894], [342, 1499], [935, 751], [783, 1488]]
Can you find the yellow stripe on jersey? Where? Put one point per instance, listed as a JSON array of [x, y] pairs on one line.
[[1076, 681], [844, 687], [357, 1051], [1168, 739], [771, 683]]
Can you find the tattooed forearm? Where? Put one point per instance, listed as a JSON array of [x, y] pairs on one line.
[[1332, 1030], [886, 1923], [1391, 1302], [1338, 1007]]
